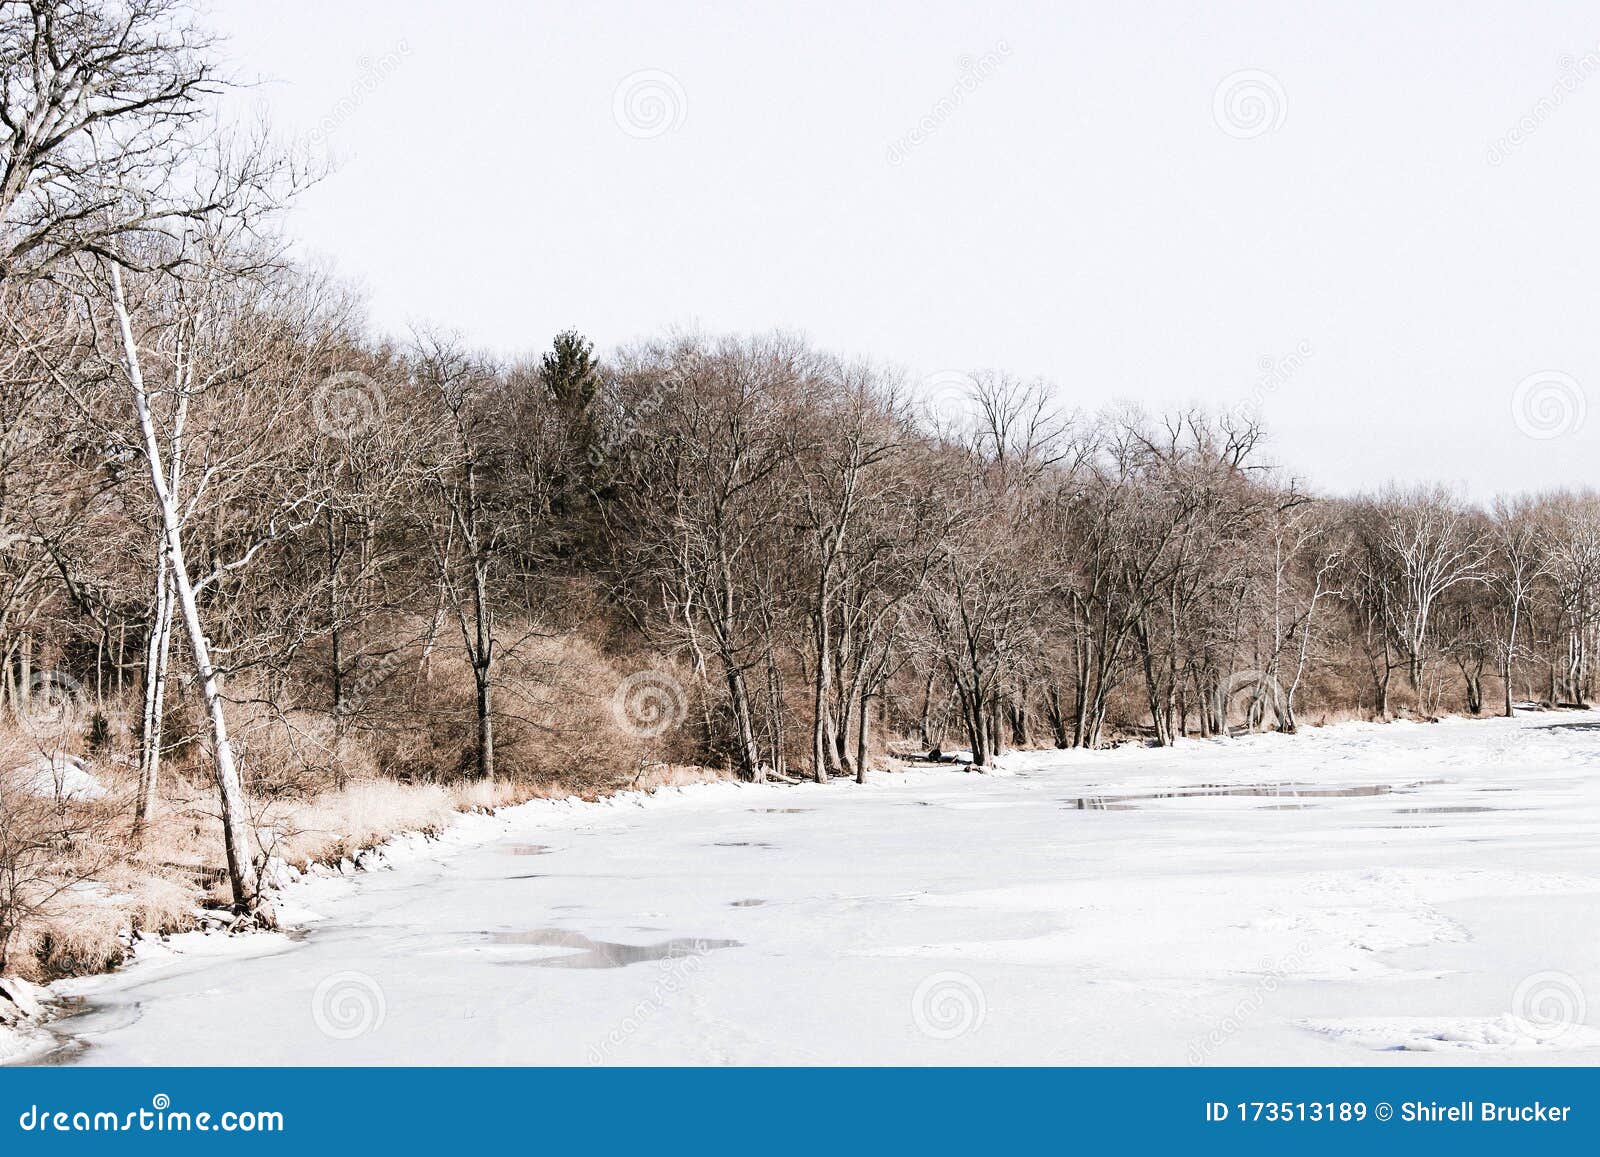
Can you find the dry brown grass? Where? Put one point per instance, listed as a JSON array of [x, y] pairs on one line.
[[403, 762], [319, 795], [73, 891], [342, 823]]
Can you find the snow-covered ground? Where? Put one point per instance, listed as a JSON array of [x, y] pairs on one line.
[[1417, 894]]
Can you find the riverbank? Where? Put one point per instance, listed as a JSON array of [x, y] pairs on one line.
[[1363, 893]]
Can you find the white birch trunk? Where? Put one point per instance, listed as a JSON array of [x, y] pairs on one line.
[[155, 685], [241, 866]]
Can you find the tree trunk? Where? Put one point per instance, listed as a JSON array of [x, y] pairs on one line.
[[775, 710], [1018, 711], [924, 726], [25, 677], [977, 727], [483, 666], [1054, 716], [845, 726], [749, 754], [230, 790], [485, 724], [335, 632], [863, 737], [157, 650], [823, 742], [1510, 655]]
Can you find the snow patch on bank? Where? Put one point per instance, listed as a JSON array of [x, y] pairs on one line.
[[298, 897], [1470, 1034], [1236, 928], [60, 777]]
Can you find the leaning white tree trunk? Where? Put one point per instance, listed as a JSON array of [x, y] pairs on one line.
[[241, 866], [155, 684], [156, 659]]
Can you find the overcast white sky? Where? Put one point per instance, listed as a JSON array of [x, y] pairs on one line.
[[1083, 206]]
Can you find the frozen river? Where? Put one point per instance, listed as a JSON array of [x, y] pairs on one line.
[[1354, 895]]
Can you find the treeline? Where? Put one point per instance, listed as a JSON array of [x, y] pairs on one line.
[[812, 565], [245, 537]]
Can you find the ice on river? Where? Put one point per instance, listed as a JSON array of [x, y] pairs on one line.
[[1358, 894]]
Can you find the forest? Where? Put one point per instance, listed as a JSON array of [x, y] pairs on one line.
[[274, 584]]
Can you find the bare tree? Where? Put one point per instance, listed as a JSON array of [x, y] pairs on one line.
[[1570, 544], [840, 453], [1423, 543], [470, 539], [702, 527], [1516, 566], [98, 103]]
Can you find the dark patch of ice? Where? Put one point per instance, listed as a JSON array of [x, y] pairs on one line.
[[1293, 791], [1459, 809], [587, 953]]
